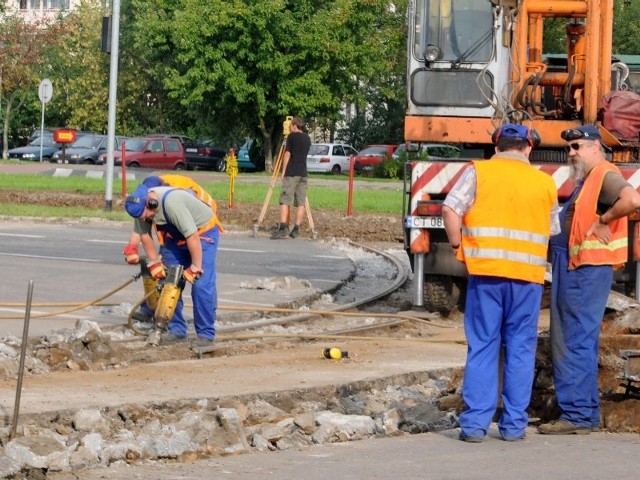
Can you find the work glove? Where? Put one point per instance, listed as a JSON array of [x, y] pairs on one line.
[[157, 269], [130, 253], [191, 274]]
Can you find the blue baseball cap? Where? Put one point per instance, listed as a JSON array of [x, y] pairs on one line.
[[510, 130], [153, 181], [590, 132], [584, 132], [137, 201]]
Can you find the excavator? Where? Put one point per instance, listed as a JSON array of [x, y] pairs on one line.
[[473, 65]]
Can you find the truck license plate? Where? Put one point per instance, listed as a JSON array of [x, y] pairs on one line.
[[425, 222]]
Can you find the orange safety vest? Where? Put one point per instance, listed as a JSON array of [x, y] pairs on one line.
[[506, 231], [590, 251], [179, 181]]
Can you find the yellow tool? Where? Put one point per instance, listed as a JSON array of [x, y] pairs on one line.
[[169, 296], [150, 284]]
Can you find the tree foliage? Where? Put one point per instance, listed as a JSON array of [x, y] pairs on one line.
[[250, 63], [228, 69], [81, 87], [23, 46]]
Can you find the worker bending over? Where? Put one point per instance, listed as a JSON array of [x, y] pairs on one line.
[[190, 231], [131, 253]]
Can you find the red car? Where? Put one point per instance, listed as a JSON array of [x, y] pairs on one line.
[[164, 153], [371, 156]]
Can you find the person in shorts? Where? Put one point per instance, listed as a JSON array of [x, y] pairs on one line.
[[294, 179]]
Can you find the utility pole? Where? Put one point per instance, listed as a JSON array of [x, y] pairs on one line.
[[113, 89]]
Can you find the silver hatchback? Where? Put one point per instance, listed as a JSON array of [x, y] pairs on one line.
[[329, 158]]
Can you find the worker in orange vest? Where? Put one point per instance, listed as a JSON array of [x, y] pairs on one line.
[[130, 251], [498, 218], [593, 242]]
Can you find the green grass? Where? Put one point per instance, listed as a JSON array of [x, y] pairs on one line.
[[332, 197]]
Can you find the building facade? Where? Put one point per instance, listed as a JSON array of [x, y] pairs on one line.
[[39, 8]]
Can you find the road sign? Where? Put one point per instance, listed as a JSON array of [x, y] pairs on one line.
[[45, 90]]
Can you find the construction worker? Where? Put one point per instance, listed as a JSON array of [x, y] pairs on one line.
[[593, 242], [190, 232], [498, 218], [294, 179], [130, 251]]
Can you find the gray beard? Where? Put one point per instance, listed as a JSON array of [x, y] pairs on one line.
[[577, 170]]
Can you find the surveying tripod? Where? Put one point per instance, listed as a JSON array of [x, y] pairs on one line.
[[286, 129]]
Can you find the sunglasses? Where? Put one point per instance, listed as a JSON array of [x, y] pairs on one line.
[[572, 134], [574, 146]]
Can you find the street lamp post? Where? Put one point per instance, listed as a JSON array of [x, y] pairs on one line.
[[113, 88]]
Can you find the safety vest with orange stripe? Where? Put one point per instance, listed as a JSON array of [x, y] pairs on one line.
[[591, 251], [505, 233]]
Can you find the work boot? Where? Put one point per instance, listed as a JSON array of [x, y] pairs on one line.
[[295, 232], [467, 439], [563, 427], [282, 232], [171, 338], [202, 342]]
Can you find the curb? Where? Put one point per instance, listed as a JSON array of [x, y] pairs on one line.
[[71, 172]]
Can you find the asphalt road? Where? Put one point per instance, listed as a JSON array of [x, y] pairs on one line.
[[79, 263]]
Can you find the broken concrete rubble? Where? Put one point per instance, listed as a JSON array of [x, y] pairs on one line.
[[64, 441], [187, 429]]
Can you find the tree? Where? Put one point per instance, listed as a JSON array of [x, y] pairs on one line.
[[626, 27], [80, 70], [23, 46], [257, 61]]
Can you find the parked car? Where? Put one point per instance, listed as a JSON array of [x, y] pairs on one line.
[[203, 155], [371, 156], [31, 152], [433, 151], [151, 152], [86, 149], [244, 158], [199, 154], [329, 158], [46, 131]]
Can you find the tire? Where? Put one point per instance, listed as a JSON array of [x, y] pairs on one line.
[[133, 165], [179, 167], [221, 165], [87, 161], [443, 293], [336, 170]]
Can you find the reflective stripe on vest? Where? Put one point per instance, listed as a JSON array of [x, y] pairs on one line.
[[590, 251], [514, 256]]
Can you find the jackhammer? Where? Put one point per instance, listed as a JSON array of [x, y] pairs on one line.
[[161, 297]]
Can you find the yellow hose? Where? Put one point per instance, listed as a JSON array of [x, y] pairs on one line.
[[72, 309]]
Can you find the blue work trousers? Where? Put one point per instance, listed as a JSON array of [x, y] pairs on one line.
[[499, 313], [204, 294], [578, 300]]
